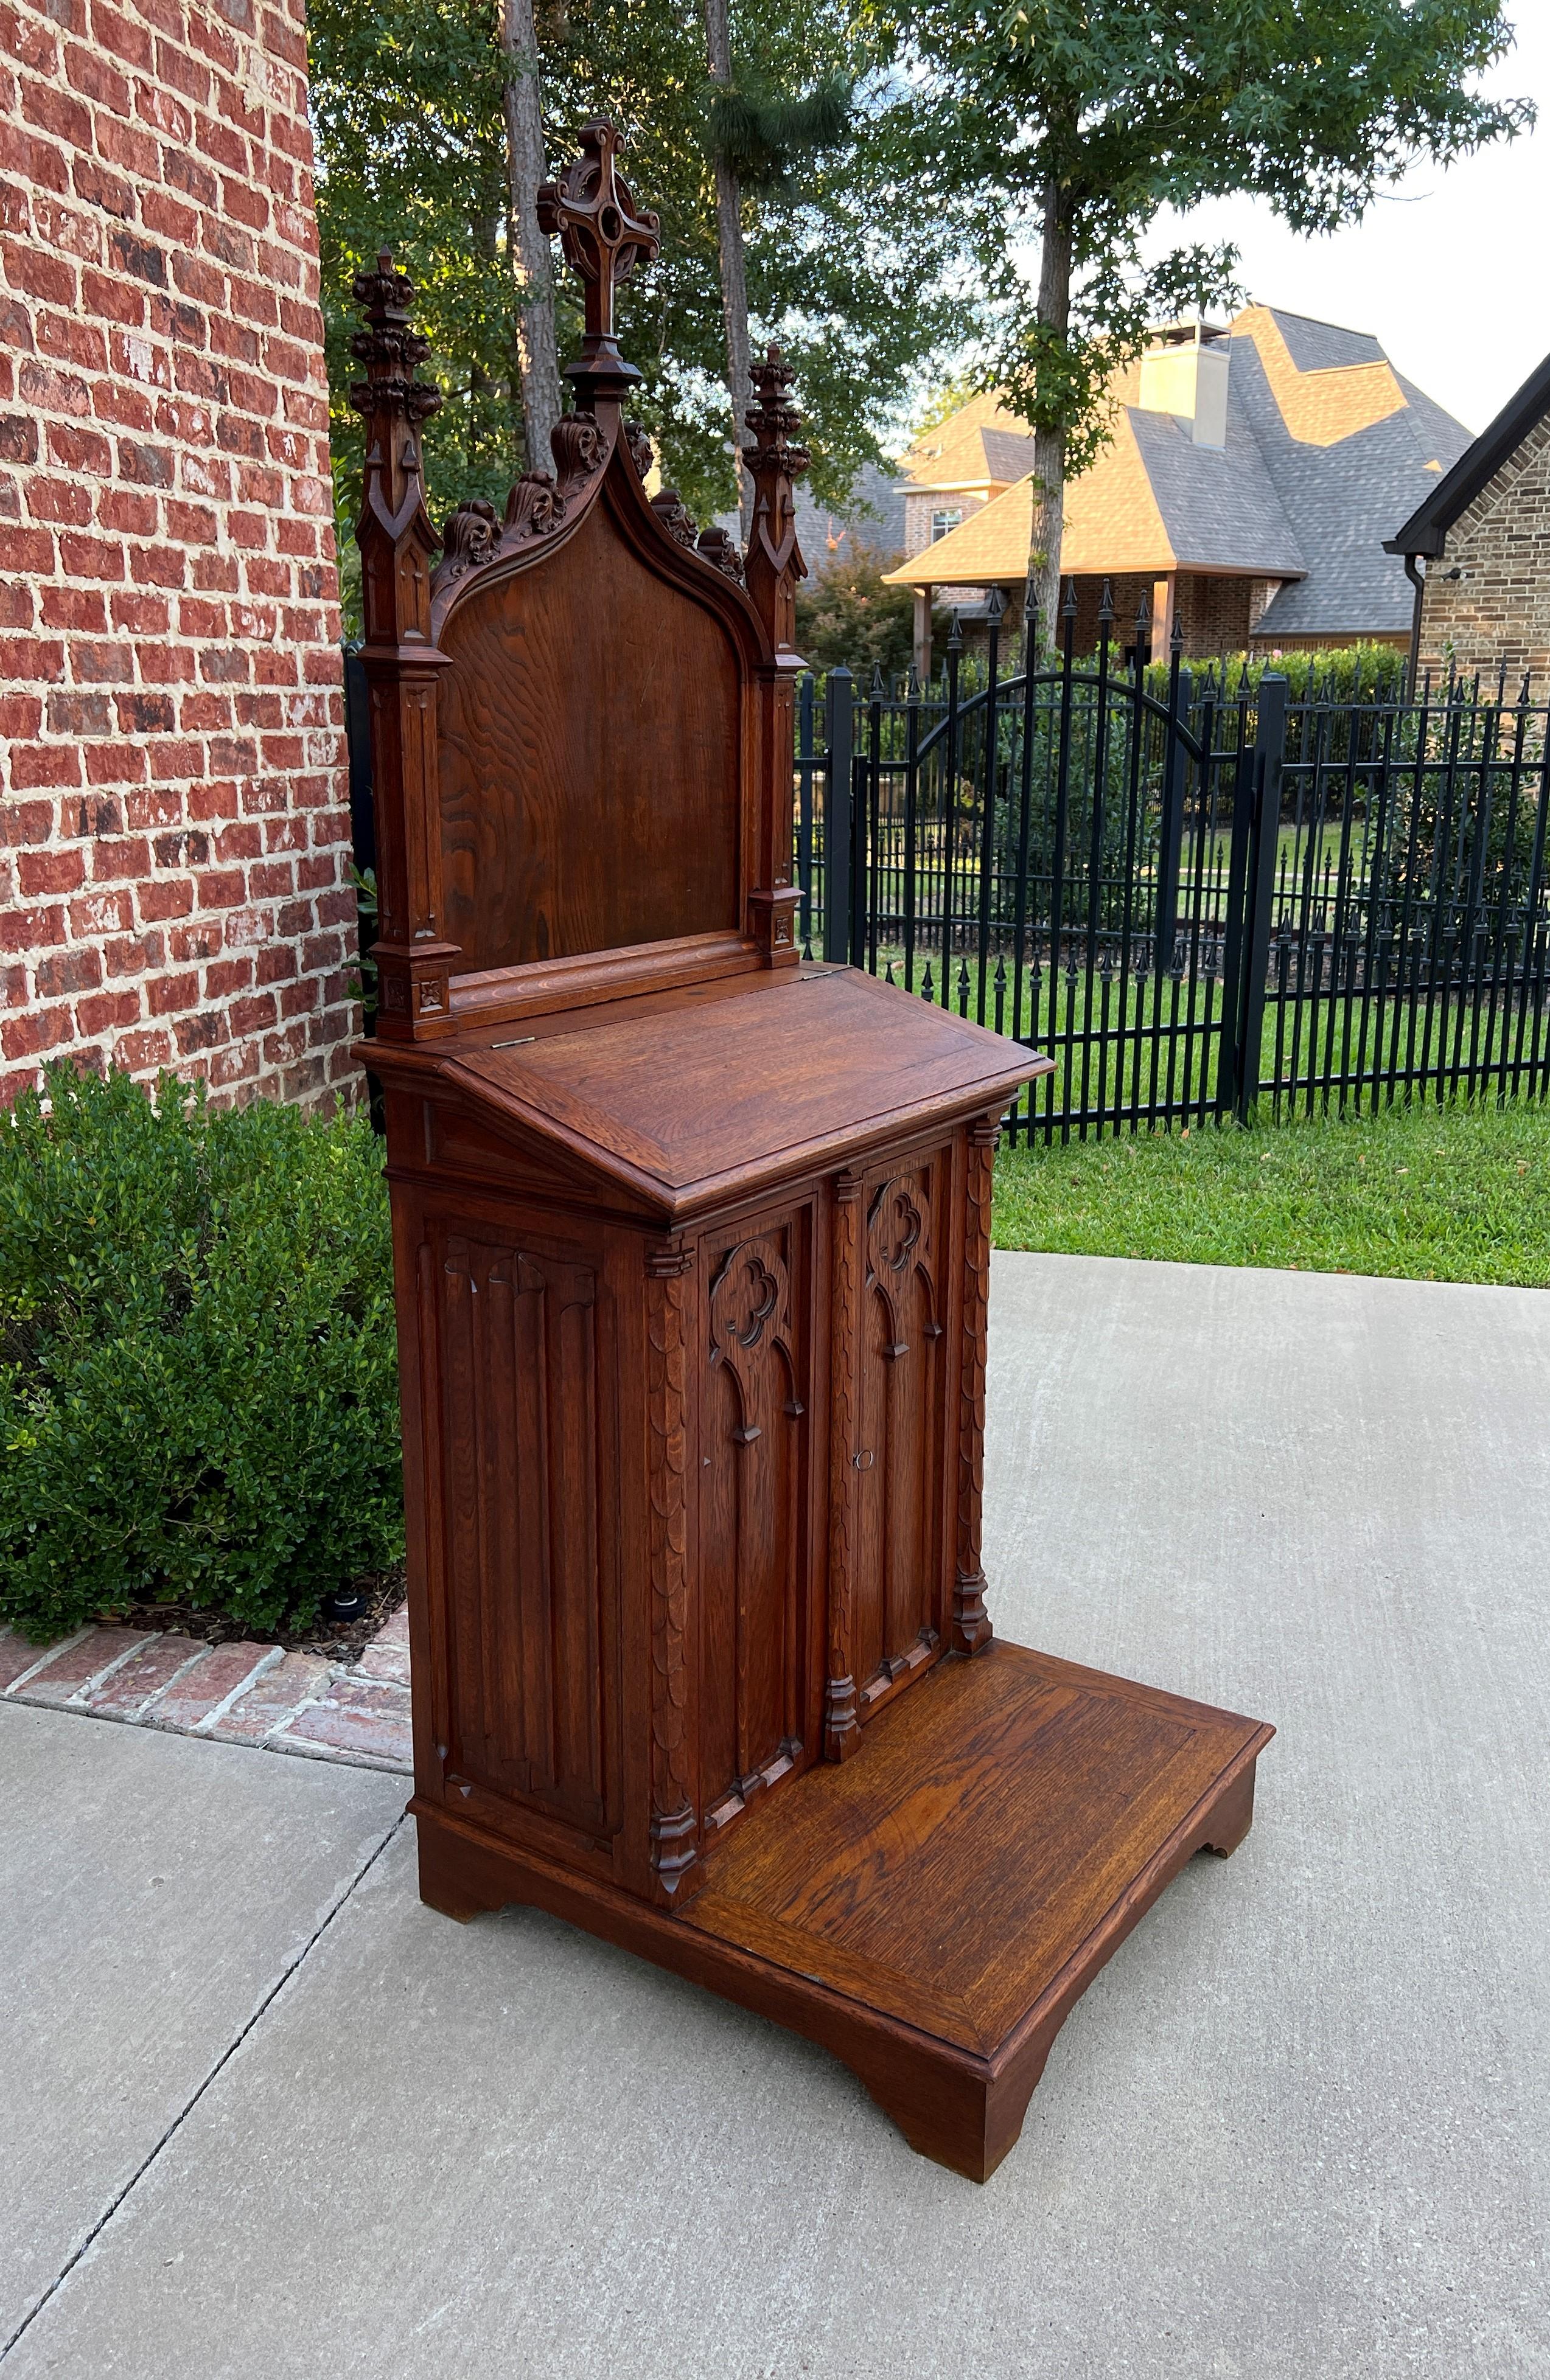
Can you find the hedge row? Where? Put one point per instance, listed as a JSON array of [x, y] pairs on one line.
[[197, 1373]]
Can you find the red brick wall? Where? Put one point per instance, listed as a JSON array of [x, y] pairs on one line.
[[1487, 599], [174, 824], [1213, 613], [1125, 600]]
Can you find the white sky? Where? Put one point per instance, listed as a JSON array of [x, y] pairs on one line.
[[1447, 272]]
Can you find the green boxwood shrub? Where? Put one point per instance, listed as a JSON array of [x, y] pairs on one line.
[[198, 1372]]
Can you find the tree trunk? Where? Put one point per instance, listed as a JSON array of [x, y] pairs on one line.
[[734, 276], [530, 260], [1049, 445], [486, 234]]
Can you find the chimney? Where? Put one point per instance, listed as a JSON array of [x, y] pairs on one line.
[[1185, 372]]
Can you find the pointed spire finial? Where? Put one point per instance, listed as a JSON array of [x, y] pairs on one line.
[[390, 346], [1069, 608], [1105, 605], [775, 561]]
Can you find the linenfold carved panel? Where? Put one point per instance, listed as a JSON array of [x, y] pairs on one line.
[[895, 1590], [752, 1499], [533, 1637], [672, 1822], [555, 815]]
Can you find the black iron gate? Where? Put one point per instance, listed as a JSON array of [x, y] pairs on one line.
[[1199, 896], [1200, 901]]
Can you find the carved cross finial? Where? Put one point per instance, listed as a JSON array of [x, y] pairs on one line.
[[604, 235], [390, 346]]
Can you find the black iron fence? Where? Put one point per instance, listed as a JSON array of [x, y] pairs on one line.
[[1201, 898], [1199, 901]]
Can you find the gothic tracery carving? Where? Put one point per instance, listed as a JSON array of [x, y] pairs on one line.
[[673, 1824]]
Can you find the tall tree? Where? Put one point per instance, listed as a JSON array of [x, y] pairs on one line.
[[1077, 123], [762, 140], [407, 112], [729, 242], [526, 167], [841, 265]]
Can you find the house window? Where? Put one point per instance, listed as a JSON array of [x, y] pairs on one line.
[[944, 523]]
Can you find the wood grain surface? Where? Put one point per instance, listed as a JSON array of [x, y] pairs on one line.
[[585, 765], [685, 1096], [995, 1819]]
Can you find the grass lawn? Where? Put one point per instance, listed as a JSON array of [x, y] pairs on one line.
[[1433, 1194]]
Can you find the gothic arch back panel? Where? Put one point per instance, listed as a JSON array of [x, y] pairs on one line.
[[591, 739]]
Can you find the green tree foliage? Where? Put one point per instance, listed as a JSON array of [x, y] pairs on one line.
[[1075, 124], [763, 134], [846, 613], [844, 267], [198, 1370], [407, 107]]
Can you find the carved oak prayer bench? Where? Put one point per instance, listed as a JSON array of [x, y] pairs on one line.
[[692, 1246]]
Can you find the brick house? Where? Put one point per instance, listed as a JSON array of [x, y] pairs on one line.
[[1477, 548], [1246, 490], [174, 820]]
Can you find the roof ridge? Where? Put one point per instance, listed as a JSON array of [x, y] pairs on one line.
[[1320, 323]]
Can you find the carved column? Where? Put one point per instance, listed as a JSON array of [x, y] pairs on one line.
[[842, 1733], [971, 1631], [674, 1827], [773, 565], [396, 541]]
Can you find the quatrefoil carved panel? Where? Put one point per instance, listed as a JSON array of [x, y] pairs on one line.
[[749, 1295], [894, 1228], [898, 1251]]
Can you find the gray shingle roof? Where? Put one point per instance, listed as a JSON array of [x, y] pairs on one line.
[[1008, 456], [873, 517], [1323, 346], [1219, 504], [1267, 502], [1344, 499], [1438, 438]]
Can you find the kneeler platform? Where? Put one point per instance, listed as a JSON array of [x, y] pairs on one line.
[[932, 1911]]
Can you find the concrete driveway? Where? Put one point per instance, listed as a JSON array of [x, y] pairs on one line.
[[1297, 2128]]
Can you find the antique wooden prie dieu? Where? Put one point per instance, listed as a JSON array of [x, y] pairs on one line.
[[691, 1243]]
